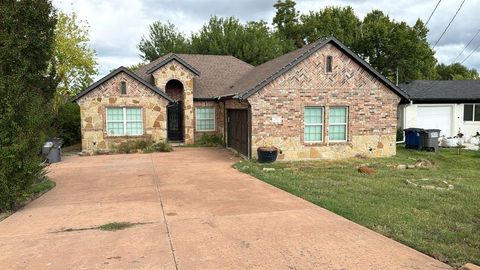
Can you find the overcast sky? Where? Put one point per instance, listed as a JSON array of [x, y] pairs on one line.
[[116, 27]]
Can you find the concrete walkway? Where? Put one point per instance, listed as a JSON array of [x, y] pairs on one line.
[[200, 214]]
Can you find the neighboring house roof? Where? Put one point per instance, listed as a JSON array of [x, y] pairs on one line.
[[443, 91], [128, 72], [216, 73], [265, 73]]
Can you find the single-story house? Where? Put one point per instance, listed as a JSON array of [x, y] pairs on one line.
[[320, 101], [451, 106]]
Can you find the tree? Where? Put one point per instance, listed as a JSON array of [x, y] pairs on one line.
[[455, 71], [74, 60], [251, 42], [389, 45], [286, 23], [163, 38], [340, 22], [26, 48]]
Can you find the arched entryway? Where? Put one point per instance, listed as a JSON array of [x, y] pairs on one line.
[[174, 88]]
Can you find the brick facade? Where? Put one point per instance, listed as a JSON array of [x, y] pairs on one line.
[[371, 109], [93, 108]]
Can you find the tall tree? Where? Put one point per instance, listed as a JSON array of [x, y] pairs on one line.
[[286, 22], [456, 71], [389, 45], [252, 42], [26, 48], [163, 38], [74, 60], [340, 22]]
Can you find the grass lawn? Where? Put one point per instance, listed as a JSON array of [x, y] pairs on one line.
[[36, 190], [444, 224]]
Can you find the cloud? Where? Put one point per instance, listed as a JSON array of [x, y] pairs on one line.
[[116, 27]]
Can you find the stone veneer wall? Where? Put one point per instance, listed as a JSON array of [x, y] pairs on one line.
[[177, 71], [371, 105], [92, 110]]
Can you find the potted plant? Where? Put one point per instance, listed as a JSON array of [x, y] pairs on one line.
[[267, 154]]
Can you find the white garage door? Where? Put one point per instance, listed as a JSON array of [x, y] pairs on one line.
[[439, 117]]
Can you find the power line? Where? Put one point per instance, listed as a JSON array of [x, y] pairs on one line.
[[474, 50], [446, 28], [466, 46], [433, 12]]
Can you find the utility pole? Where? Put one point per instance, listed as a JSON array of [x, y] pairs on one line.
[[397, 76]]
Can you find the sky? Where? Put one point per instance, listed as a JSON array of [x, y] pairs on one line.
[[116, 27]]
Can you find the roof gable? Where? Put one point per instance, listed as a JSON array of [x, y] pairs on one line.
[[217, 72], [171, 58], [262, 75], [113, 74]]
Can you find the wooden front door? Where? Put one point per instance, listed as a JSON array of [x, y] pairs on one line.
[[175, 121], [237, 137]]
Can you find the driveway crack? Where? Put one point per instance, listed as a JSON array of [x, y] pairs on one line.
[[157, 188]]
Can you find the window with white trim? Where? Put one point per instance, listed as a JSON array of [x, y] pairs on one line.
[[313, 124], [471, 112], [337, 124], [205, 118], [124, 121]]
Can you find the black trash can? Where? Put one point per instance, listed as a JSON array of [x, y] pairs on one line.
[[52, 150], [430, 139], [413, 139], [267, 154]]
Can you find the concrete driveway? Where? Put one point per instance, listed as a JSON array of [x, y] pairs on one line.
[[200, 214]]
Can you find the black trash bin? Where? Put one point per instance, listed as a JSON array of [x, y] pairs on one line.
[[413, 139], [430, 139], [52, 150]]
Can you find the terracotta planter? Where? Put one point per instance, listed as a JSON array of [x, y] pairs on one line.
[[267, 154]]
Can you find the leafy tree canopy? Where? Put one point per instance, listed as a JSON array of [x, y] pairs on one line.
[[74, 60], [340, 22], [163, 38], [456, 71]]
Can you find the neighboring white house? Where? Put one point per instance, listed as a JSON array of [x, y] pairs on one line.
[[451, 106]]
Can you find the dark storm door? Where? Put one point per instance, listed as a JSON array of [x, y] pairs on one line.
[[238, 130], [175, 121]]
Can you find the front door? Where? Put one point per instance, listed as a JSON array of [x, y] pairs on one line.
[[175, 121]]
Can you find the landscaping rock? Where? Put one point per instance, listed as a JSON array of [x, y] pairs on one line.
[[367, 170], [423, 163], [268, 169], [470, 266], [411, 166], [401, 167]]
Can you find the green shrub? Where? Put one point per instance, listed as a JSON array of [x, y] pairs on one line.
[[210, 140], [399, 134], [162, 146], [67, 123], [132, 146]]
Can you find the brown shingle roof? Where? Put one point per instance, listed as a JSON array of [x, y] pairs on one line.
[[217, 72], [222, 75]]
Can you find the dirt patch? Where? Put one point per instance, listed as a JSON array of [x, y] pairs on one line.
[[113, 226]]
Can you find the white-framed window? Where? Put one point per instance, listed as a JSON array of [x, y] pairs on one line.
[[205, 118], [337, 124], [313, 124], [471, 112], [124, 121]]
